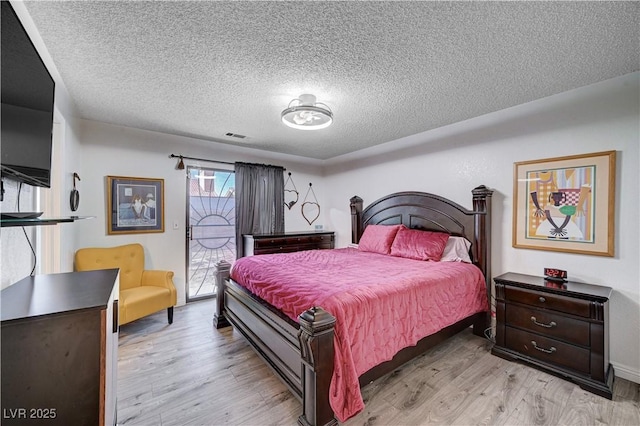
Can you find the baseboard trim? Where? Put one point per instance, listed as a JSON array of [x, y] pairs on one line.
[[626, 372]]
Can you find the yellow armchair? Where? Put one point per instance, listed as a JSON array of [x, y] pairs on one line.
[[142, 292]]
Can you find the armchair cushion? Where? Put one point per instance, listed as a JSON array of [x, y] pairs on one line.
[[142, 292], [139, 302]]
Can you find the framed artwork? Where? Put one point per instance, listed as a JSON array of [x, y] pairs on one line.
[[134, 205], [565, 204]]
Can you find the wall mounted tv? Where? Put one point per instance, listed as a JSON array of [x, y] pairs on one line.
[[27, 106]]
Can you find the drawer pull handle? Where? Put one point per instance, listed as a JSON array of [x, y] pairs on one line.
[[542, 299], [547, 351], [550, 325]]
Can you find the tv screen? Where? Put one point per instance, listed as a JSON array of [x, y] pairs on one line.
[[27, 105]]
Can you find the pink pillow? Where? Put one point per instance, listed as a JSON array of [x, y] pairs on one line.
[[419, 245], [378, 238]]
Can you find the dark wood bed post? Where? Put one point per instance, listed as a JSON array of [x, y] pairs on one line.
[[317, 354], [482, 245], [223, 268], [356, 219]]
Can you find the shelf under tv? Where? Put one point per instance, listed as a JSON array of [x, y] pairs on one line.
[[40, 221]]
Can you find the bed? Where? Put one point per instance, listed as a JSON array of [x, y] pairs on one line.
[[301, 350]]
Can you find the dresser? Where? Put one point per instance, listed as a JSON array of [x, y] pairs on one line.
[[562, 328], [287, 242], [60, 349]]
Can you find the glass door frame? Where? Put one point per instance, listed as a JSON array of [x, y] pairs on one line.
[[222, 214]]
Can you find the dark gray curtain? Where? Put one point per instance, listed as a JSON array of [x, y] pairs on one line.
[[259, 201]]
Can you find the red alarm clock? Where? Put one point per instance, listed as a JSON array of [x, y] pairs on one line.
[[555, 274]]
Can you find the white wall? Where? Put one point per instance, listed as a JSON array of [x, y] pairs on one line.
[[453, 160], [15, 253], [108, 150]]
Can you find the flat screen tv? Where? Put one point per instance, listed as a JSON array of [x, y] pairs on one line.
[[27, 106]]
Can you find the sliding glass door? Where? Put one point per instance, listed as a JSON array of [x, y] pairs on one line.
[[211, 216]]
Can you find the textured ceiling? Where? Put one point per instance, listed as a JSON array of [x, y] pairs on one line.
[[386, 69]]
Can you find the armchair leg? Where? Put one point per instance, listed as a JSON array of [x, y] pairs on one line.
[[170, 314]]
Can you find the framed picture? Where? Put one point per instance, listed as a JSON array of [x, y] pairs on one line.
[[134, 205], [565, 204]]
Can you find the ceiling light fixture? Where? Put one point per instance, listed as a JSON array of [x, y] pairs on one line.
[[305, 113]]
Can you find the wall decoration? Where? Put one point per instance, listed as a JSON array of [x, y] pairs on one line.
[[565, 204], [74, 197], [310, 209], [290, 195], [134, 205]]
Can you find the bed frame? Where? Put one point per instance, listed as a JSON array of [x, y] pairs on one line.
[[302, 354]]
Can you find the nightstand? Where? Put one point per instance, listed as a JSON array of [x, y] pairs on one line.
[[562, 328]]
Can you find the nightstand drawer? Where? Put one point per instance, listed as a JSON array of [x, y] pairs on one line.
[[549, 324], [549, 301], [548, 350]]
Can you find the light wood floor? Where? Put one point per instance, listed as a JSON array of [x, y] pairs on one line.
[[188, 373]]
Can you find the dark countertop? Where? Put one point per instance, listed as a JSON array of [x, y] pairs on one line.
[[57, 293], [567, 288]]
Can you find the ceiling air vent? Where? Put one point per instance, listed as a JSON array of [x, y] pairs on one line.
[[235, 135]]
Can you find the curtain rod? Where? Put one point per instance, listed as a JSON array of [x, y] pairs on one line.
[[203, 159], [199, 159]]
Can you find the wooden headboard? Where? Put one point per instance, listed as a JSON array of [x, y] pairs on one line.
[[420, 210]]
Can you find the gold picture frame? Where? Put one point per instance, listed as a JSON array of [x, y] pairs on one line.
[[565, 204], [134, 205]]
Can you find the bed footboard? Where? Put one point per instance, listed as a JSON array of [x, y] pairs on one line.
[[300, 354]]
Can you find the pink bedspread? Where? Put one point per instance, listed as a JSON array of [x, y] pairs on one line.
[[381, 303]]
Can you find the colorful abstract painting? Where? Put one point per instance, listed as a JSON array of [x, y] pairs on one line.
[[565, 204], [560, 204]]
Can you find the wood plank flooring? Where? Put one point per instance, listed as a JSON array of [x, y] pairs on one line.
[[188, 373]]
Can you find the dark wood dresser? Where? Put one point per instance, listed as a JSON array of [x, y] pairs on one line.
[[287, 242], [562, 328], [60, 349]]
